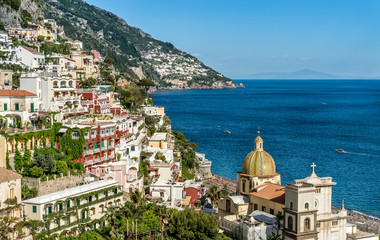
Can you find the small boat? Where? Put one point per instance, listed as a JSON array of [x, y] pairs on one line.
[[227, 132], [218, 126], [339, 150]]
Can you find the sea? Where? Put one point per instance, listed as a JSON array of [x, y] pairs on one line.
[[300, 121]]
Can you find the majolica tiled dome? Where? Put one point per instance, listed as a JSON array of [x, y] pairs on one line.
[[258, 162]]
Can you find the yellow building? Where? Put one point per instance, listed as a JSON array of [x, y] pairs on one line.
[[258, 186], [10, 193]]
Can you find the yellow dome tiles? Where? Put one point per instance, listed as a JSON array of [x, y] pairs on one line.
[[258, 162]]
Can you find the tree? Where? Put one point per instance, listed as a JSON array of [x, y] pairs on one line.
[[162, 212], [6, 228], [136, 197], [61, 167], [34, 226], [27, 157], [90, 235], [27, 193], [189, 225], [18, 160], [108, 60], [146, 84], [46, 162], [214, 195], [36, 172], [279, 220], [88, 83], [112, 216]]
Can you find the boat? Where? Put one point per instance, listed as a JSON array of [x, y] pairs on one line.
[[227, 132], [339, 150], [218, 126]]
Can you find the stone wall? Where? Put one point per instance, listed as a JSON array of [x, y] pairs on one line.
[[53, 185]]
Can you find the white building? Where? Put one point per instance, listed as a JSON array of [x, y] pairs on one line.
[[168, 191], [30, 57], [8, 51], [308, 212], [84, 203]]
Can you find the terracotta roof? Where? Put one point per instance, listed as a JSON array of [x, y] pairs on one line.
[[7, 175], [22, 93], [270, 191], [32, 50]]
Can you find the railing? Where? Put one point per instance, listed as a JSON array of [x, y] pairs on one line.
[[88, 152], [97, 150], [96, 160]]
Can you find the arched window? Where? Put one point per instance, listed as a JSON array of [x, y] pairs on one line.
[[307, 206], [307, 224], [291, 205], [290, 223], [243, 186]]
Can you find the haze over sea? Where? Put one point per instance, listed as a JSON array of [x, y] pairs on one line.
[[301, 121]]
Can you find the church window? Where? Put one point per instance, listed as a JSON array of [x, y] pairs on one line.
[[255, 206], [334, 223], [307, 224], [271, 211], [318, 190], [243, 186], [291, 205], [290, 223], [307, 206]]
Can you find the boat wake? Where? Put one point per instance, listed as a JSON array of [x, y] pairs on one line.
[[362, 154]]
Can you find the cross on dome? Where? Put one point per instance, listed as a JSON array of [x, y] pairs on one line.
[[313, 166], [258, 130]]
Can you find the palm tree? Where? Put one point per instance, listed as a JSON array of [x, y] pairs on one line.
[[136, 197], [214, 195], [34, 226], [127, 210], [112, 216], [163, 213]]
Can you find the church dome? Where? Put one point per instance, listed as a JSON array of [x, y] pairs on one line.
[[258, 162]]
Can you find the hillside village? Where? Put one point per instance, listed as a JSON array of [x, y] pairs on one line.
[[66, 135], [85, 154]]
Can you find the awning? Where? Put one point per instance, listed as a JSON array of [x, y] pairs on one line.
[[187, 201]]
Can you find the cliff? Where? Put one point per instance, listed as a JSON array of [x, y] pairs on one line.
[[137, 55]]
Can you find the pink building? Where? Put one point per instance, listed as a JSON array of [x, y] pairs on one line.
[[125, 172]]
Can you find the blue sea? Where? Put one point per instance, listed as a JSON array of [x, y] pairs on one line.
[[301, 122]]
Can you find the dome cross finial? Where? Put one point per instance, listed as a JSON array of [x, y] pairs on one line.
[[258, 130], [313, 166]]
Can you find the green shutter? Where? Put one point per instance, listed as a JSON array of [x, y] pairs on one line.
[[17, 106], [32, 107], [5, 107], [102, 144], [34, 209]]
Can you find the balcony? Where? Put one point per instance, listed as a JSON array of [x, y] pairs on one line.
[[103, 148], [97, 150], [104, 158], [89, 162], [111, 146], [96, 160], [86, 102], [88, 152]]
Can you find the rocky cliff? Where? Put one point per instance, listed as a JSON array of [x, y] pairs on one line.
[[137, 55]]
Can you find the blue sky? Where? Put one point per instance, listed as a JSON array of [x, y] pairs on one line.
[[253, 36]]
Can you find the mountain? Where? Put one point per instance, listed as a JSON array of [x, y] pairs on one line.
[[136, 53], [302, 74]]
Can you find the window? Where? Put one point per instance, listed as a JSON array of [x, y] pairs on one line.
[[17, 107], [115, 191], [290, 223], [271, 211], [32, 107], [291, 205], [255, 206], [318, 225], [307, 224], [228, 206], [102, 144], [5, 107], [130, 176], [68, 204], [78, 202], [83, 215], [90, 199], [334, 223], [6, 79], [243, 186], [263, 209], [60, 207], [34, 209], [12, 194], [127, 152], [318, 190], [133, 148], [307, 206]]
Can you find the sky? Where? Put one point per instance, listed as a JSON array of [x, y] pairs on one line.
[[340, 37]]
